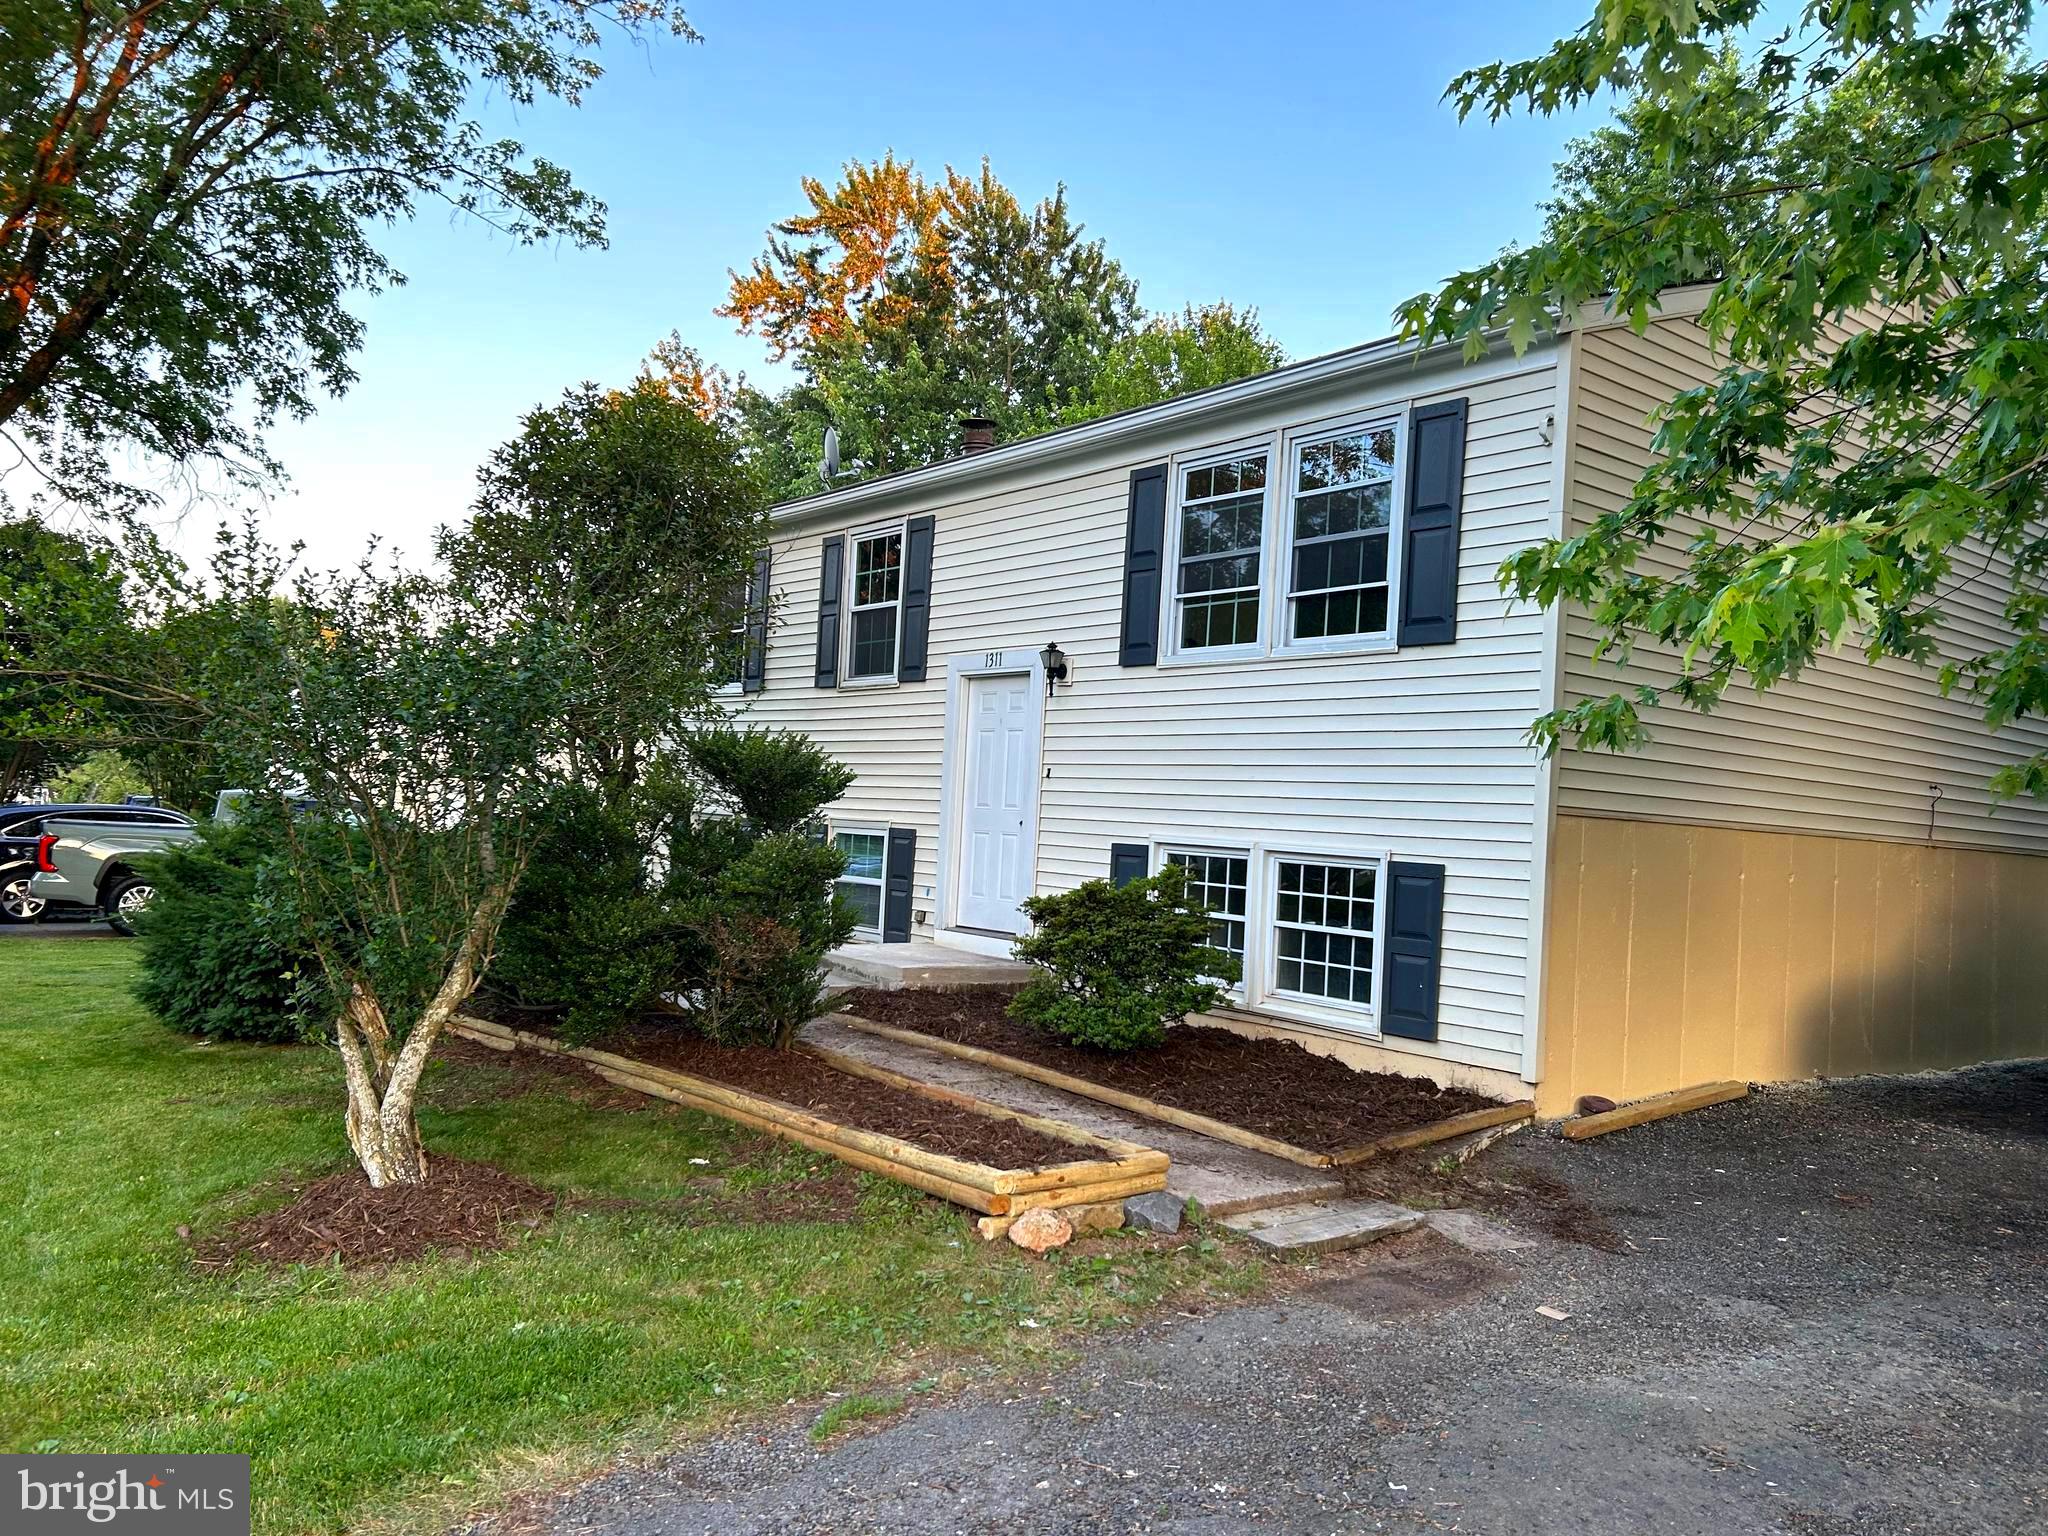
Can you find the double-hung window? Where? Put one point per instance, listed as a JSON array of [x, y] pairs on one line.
[[1325, 916], [867, 853], [1304, 927], [1221, 882], [1222, 521], [1340, 511], [877, 607]]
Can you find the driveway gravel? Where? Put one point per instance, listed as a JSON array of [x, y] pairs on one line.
[[1825, 1317]]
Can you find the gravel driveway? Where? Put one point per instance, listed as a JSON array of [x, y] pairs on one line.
[[1825, 1316]]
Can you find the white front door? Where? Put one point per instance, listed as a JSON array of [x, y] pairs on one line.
[[998, 851]]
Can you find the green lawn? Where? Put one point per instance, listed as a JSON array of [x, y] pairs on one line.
[[402, 1398]]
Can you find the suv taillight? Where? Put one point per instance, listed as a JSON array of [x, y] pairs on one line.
[[43, 846]]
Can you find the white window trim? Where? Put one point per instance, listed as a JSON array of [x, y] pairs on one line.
[[1237, 991], [854, 539], [1170, 649], [1256, 993], [834, 831], [1271, 999], [1397, 518], [1276, 547]]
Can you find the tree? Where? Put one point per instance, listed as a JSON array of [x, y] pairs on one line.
[[102, 777], [908, 304], [187, 189], [1176, 354], [64, 581], [1887, 169], [630, 524]]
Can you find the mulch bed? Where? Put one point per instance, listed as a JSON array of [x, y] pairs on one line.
[[463, 1208], [804, 1082], [1273, 1087]]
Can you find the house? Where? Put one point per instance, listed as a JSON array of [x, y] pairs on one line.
[[1289, 666]]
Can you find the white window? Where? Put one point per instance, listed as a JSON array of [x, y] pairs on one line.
[[867, 855], [877, 606], [1323, 929], [1340, 520], [1220, 523], [1218, 881]]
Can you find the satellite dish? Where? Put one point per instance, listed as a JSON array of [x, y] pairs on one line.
[[828, 471]]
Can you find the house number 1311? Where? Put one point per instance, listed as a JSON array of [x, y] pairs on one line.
[[992, 658]]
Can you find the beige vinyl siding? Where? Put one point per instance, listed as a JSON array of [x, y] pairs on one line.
[[1418, 752], [1849, 748]]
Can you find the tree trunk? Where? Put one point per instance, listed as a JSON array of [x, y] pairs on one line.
[[383, 1090]]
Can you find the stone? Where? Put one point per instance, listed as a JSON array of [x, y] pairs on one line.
[[1594, 1104], [1472, 1231], [1156, 1212], [1101, 1216], [1323, 1226], [1036, 1231]]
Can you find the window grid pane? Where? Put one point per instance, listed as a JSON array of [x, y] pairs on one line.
[[1218, 881], [877, 589], [861, 884], [1323, 931], [1222, 525], [1343, 507]]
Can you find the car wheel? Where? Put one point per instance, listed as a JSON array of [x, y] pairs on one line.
[[125, 900], [16, 905]]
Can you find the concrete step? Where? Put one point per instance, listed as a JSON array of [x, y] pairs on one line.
[[1222, 1179], [920, 963], [1323, 1226]]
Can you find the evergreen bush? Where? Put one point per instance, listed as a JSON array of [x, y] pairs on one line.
[[218, 957], [1117, 964]]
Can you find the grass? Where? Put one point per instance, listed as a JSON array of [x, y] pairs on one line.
[[398, 1400]]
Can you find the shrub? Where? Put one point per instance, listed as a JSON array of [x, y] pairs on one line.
[[763, 930], [585, 933], [1116, 965], [705, 885], [218, 958], [776, 780]]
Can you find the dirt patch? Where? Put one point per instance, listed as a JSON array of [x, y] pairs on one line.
[[463, 1208], [804, 1082], [1407, 1276], [1521, 1196], [1273, 1087]]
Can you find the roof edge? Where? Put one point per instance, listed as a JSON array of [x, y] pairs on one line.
[[1367, 357]]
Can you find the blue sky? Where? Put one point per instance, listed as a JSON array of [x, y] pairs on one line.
[[1296, 158]]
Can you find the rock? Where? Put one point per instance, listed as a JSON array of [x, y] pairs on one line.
[[1156, 1212], [1036, 1231], [1102, 1216], [1595, 1104]]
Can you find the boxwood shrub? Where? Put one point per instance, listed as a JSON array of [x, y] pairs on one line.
[[1117, 964]]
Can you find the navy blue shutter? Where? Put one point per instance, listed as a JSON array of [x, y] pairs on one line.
[[1128, 862], [754, 666], [831, 582], [1429, 537], [898, 875], [1415, 942], [917, 599], [1144, 555]]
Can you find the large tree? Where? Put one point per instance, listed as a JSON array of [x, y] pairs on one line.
[[1884, 169], [630, 523], [907, 304], [188, 190]]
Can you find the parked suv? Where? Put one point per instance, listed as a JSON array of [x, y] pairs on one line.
[[22, 828]]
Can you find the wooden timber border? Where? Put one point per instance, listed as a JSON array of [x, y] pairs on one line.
[[1186, 1119], [1126, 1169], [1656, 1107]]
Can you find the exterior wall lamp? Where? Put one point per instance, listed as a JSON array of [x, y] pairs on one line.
[[1055, 662]]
